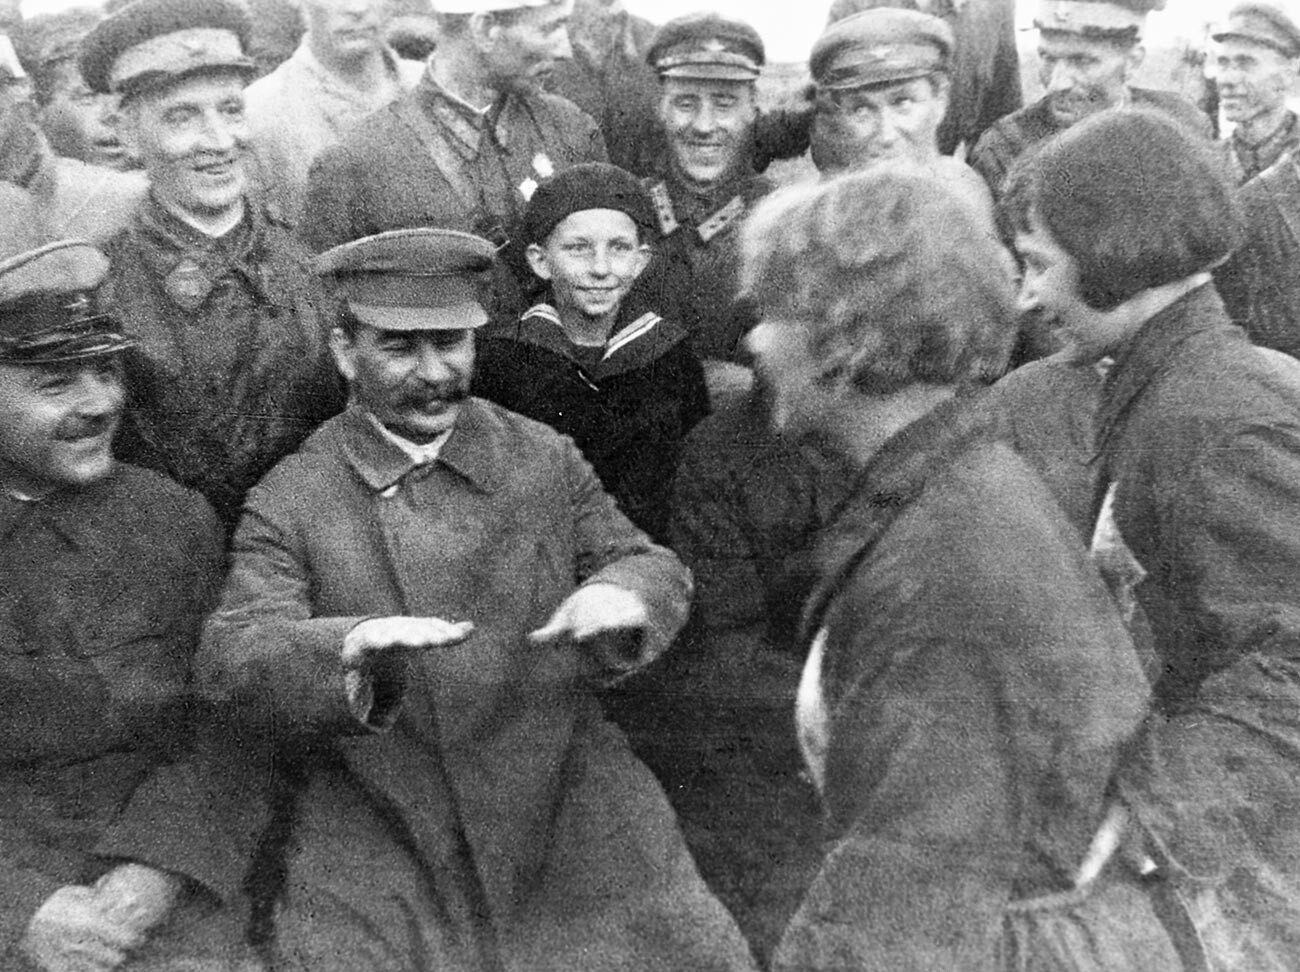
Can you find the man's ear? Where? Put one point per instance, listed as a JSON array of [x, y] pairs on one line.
[[536, 257], [343, 348], [483, 30], [1133, 60]]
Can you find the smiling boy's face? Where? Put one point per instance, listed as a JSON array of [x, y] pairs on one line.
[[591, 259]]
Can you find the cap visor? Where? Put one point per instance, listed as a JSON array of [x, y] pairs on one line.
[[452, 317], [710, 72]]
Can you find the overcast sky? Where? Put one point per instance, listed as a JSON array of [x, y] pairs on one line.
[[789, 28]]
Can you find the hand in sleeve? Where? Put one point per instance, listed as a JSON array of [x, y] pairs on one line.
[[607, 620], [374, 657]]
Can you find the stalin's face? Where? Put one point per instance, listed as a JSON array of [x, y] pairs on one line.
[[412, 381], [709, 124]]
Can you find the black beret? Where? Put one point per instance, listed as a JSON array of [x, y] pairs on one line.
[[154, 42], [591, 185], [1262, 23], [707, 45]]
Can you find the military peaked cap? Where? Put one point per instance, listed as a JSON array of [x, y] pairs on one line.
[[707, 45], [1103, 19], [49, 306], [151, 43], [412, 279], [880, 46], [1261, 23]]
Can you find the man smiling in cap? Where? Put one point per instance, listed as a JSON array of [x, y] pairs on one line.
[[106, 572], [1087, 52], [233, 370], [708, 68]]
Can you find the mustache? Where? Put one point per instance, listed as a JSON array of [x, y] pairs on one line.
[[451, 394], [86, 427]]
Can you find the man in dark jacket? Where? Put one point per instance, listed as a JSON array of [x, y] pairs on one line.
[[1087, 50], [466, 148], [106, 572], [232, 369], [1199, 445]]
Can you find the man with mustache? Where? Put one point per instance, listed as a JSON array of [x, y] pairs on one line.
[[466, 148], [1087, 53], [708, 68], [340, 73], [106, 574], [232, 370], [421, 604]]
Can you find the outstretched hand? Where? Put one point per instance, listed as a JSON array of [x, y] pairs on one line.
[[593, 613], [377, 636]]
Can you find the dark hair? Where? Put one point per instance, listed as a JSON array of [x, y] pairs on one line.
[[898, 280], [1134, 198]]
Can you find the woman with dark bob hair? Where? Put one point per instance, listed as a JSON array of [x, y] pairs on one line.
[[1119, 224], [969, 683]]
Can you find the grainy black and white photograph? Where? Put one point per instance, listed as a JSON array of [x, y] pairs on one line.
[[649, 486]]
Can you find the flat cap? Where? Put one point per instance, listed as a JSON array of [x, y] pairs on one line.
[[151, 43], [709, 46], [880, 46], [412, 279], [1103, 19], [1261, 23], [590, 185], [49, 306], [489, 6]]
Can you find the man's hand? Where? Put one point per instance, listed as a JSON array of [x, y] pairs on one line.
[[610, 616], [370, 639], [71, 932]]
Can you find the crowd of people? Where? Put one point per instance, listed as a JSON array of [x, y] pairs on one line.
[[458, 513]]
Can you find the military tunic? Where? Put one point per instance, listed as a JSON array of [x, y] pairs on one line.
[[694, 276], [1250, 159], [233, 369], [102, 592], [430, 159]]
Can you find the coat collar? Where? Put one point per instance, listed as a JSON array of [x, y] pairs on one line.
[[633, 344], [1152, 352], [84, 518], [474, 450], [890, 482]]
